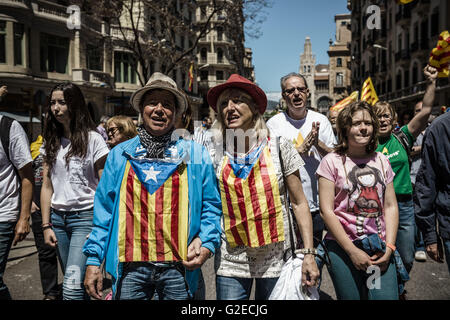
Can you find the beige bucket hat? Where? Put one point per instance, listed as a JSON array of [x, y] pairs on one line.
[[162, 82]]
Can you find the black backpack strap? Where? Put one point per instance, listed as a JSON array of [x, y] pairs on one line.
[[5, 129], [403, 139]]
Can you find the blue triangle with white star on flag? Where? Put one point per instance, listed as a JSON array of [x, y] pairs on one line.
[[153, 174]]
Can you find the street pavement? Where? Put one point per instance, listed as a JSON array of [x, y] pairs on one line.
[[429, 280]]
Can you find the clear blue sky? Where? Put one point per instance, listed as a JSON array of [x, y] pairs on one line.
[[289, 22]]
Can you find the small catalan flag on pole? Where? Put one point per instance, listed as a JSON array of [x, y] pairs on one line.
[[368, 93], [440, 56], [353, 97], [191, 76]]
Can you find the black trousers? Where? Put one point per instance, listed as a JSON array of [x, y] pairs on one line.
[[48, 260]]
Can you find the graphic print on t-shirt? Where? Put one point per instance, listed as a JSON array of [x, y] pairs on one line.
[[365, 197]]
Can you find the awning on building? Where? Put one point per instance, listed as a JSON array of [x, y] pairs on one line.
[[21, 117]]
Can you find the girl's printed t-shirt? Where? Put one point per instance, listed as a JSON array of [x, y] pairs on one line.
[[360, 185], [74, 185]]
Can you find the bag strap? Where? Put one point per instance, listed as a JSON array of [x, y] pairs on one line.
[[404, 141], [286, 203], [5, 128]]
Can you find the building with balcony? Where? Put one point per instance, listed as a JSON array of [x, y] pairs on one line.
[[38, 49], [339, 54], [221, 52], [395, 55]]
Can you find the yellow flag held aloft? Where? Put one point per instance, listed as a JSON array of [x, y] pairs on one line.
[[405, 1], [353, 97], [368, 93], [440, 56]]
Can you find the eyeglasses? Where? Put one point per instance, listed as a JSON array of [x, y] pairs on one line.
[[292, 90], [112, 131]]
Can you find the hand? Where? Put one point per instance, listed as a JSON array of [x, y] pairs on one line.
[[382, 260], [50, 238], [93, 282], [360, 259], [309, 141], [430, 73], [310, 272], [197, 255], [315, 132], [433, 253], [21, 231]]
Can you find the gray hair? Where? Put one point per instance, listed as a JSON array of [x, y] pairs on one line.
[[104, 119], [290, 75]]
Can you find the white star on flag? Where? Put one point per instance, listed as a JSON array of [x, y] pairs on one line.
[[151, 174]]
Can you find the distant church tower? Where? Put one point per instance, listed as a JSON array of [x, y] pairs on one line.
[[307, 69]]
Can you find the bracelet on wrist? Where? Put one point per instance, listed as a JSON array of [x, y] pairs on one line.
[[45, 226], [306, 251], [391, 246]]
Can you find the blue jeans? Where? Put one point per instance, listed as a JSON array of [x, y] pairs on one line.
[[6, 239], [229, 288], [406, 233], [447, 253], [71, 230], [140, 281]]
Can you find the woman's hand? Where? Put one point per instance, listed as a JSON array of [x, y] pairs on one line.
[[360, 259], [382, 260], [310, 272], [50, 238]]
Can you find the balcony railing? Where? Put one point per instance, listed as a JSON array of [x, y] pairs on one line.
[[96, 78]]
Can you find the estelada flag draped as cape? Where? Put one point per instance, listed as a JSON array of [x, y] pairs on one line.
[[251, 203], [153, 212]]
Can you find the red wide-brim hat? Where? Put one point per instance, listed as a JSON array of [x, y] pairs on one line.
[[236, 81]]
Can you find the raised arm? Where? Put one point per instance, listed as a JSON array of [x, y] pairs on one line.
[[420, 120]]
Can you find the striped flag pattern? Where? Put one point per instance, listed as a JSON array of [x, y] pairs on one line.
[[153, 227], [353, 97], [252, 206], [191, 76], [368, 93], [440, 56]]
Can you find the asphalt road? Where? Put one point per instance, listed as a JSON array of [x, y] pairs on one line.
[[429, 280]]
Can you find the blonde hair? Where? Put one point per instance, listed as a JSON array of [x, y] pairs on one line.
[[382, 106], [259, 123], [125, 125]]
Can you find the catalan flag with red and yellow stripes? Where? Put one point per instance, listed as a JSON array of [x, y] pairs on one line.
[[251, 206], [153, 226], [368, 93], [405, 1], [353, 97], [440, 56]]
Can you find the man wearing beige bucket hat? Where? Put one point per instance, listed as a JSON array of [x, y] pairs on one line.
[[157, 207]]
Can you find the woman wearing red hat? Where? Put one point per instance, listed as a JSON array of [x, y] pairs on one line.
[[252, 182]]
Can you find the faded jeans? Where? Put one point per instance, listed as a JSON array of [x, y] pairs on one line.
[[141, 280], [230, 288], [406, 233], [6, 239], [72, 229]]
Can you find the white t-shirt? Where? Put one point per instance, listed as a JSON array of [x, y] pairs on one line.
[[284, 126], [74, 186], [20, 155], [266, 261]]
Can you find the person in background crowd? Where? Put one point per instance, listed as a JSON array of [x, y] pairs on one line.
[[74, 156], [358, 205], [101, 128], [157, 207], [16, 191], [312, 135], [255, 223], [397, 147], [119, 129], [47, 255], [3, 92], [406, 118], [332, 117], [432, 201]]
